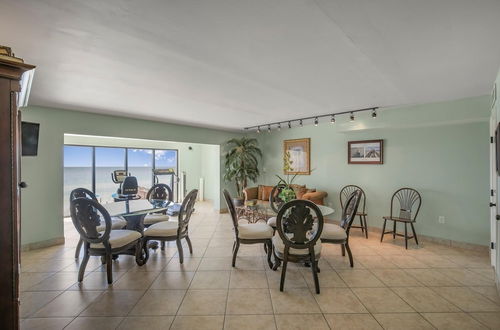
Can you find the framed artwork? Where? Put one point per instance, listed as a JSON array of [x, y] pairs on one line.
[[300, 156], [365, 152]]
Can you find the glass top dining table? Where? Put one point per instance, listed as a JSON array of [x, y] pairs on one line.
[[134, 211]]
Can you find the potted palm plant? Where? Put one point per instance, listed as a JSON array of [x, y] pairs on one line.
[[242, 160]]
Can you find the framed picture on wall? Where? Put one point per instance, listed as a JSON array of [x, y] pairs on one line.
[[365, 152], [300, 155]]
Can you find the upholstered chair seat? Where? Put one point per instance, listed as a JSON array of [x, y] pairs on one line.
[[118, 238], [116, 223], [271, 222], [333, 232], [255, 231], [153, 218], [279, 247], [164, 229]]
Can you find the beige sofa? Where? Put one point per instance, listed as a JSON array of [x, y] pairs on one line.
[[262, 193]]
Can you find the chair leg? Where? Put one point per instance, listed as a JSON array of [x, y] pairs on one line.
[[188, 240], [283, 273], [109, 268], [366, 227], [315, 272], [361, 224], [414, 232], [383, 231], [78, 248], [235, 252], [181, 252], [349, 253], [343, 250], [83, 265], [268, 246], [394, 230], [406, 235]]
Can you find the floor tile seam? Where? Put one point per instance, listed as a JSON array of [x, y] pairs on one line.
[[432, 291]]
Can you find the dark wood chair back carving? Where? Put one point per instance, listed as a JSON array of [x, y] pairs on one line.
[[187, 209], [82, 192], [232, 210], [87, 215], [299, 224], [274, 199], [405, 204], [346, 192], [350, 209], [160, 192]]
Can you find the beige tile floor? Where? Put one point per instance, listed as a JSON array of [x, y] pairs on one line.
[[422, 288]]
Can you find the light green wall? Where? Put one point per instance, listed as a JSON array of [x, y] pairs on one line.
[[440, 149], [42, 201], [210, 171]]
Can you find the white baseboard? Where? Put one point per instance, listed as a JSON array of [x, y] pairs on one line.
[[42, 244]]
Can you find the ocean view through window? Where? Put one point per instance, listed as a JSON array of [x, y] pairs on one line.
[[91, 167]]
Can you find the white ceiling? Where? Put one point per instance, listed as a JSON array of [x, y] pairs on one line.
[[237, 63]]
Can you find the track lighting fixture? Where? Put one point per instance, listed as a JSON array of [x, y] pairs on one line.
[[315, 119]]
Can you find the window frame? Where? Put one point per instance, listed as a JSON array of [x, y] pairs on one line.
[[126, 161]]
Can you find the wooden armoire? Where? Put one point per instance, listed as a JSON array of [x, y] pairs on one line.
[[10, 206]]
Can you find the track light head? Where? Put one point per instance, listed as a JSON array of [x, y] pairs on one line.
[[316, 121], [374, 113], [352, 116], [279, 126], [258, 129], [289, 125], [332, 120], [300, 123], [268, 128]]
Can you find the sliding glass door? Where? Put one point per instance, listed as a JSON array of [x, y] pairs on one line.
[[140, 165], [91, 167], [78, 171], [107, 160]]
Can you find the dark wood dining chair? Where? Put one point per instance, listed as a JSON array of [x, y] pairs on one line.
[[166, 231], [93, 223], [339, 234], [299, 225], [405, 204], [158, 192], [249, 233], [116, 222], [345, 193]]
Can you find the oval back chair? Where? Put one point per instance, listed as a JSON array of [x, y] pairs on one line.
[[405, 205], [116, 222], [161, 192], [82, 192], [98, 237], [165, 231], [299, 224], [158, 194], [345, 193], [250, 233]]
